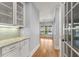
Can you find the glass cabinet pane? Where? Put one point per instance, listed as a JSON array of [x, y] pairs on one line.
[[66, 21], [76, 16], [66, 35], [69, 20], [74, 3], [76, 39], [5, 19], [74, 54], [6, 12], [67, 51], [65, 8], [69, 37], [69, 6], [9, 4], [19, 13]]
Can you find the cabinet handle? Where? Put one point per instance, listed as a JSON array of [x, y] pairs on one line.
[[64, 40]]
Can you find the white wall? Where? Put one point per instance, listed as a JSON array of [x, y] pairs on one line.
[[31, 26], [58, 28], [62, 11]]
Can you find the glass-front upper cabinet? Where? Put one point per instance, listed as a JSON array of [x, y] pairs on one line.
[[76, 16], [69, 6], [6, 12], [20, 13]]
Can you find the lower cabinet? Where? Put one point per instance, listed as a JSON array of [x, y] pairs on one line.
[[27, 46], [11, 50], [20, 49], [24, 48]]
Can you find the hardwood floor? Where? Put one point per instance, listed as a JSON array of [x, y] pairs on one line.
[[46, 49]]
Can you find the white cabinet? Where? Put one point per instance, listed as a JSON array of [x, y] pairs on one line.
[[24, 48], [19, 49], [12, 13], [6, 12], [27, 48], [11, 50], [20, 13], [10, 54]]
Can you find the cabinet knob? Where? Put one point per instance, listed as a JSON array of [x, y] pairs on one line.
[[63, 40]]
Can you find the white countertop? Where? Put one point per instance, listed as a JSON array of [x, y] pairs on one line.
[[12, 40]]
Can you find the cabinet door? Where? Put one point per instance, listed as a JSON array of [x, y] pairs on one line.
[[27, 47], [11, 51], [6, 12], [24, 48], [20, 13], [22, 52]]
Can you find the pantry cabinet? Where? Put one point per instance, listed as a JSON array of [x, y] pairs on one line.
[[12, 13], [71, 30], [19, 49]]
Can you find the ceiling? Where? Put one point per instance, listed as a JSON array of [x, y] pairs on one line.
[[46, 10]]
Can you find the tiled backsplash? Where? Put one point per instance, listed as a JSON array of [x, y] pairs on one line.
[[6, 33]]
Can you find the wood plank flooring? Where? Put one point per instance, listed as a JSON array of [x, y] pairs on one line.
[[46, 49]]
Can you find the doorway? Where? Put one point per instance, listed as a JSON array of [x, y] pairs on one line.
[[46, 48]]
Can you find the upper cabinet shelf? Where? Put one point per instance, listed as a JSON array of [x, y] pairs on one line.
[[12, 13]]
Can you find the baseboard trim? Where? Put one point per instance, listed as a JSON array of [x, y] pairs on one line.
[[34, 50]]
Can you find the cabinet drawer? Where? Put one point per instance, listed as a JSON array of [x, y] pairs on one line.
[[13, 53], [9, 54], [9, 48]]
